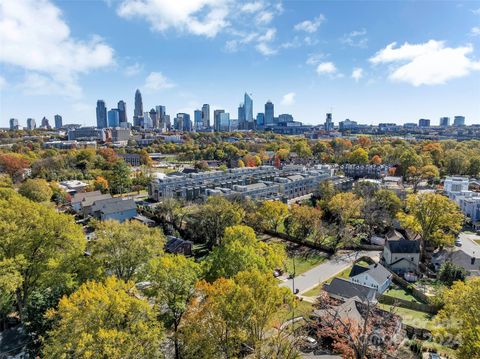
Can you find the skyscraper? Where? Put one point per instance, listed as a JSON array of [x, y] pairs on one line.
[[162, 117], [14, 124], [197, 120], [146, 121], [31, 124], [242, 125], [45, 124], [224, 120], [122, 111], [206, 115], [329, 125], [269, 113], [155, 119], [138, 110], [444, 121], [216, 119], [459, 121], [424, 122], [114, 118], [248, 106], [260, 119], [101, 114], [58, 122]]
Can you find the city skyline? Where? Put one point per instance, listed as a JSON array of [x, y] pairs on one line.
[[359, 60]]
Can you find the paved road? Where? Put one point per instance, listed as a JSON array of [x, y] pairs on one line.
[[326, 270]]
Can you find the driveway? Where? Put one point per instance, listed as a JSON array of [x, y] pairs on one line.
[[328, 269]]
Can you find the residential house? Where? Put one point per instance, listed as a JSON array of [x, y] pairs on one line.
[[73, 187], [178, 246], [78, 198], [401, 255], [119, 209], [87, 202], [343, 289], [374, 276], [466, 256]]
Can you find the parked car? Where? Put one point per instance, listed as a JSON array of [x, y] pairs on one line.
[[458, 242]]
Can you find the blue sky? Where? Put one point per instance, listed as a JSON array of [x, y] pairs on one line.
[[391, 61]]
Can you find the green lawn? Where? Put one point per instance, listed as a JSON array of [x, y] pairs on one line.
[[304, 262], [401, 294], [302, 308], [412, 317]]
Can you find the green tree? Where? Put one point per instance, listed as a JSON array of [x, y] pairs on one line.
[[37, 190], [43, 244], [303, 222], [434, 217], [119, 179], [104, 320], [124, 248], [460, 317], [239, 251], [5, 181], [450, 272], [173, 279], [207, 222], [272, 214], [345, 206], [359, 157]]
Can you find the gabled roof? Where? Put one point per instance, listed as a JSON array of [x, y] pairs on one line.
[[88, 201], [113, 205], [378, 272], [403, 246], [80, 196], [173, 243], [346, 289]]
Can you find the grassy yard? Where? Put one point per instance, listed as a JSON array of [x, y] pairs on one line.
[[400, 293], [412, 317], [302, 308], [304, 262]]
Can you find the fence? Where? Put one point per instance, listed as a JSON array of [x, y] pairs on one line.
[[426, 308]]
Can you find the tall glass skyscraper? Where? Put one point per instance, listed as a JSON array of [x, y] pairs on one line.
[[197, 120], [248, 107], [122, 110], [58, 121], [260, 119], [216, 119], [114, 118], [101, 114], [138, 110], [206, 115], [31, 123], [269, 113], [241, 117]]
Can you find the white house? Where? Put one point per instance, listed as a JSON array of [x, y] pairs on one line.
[[374, 276], [402, 255]]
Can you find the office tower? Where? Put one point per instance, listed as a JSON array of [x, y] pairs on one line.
[[444, 121], [58, 121], [122, 111], [349, 125], [224, 120], [329, 125], [114, 118], [168, 124], [197, 120], [206, 115], [161, 115], [155, 118], [146, 120], [31, 124], [248, 107], [216, 119], [459, 121], [45, 124], [14, 124], [285, 118], [101, 114], [241, 117], [269, 113], [138, 110], [424, 122], [260, 119]]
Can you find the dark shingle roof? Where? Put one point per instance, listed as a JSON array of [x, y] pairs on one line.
[[356, 270], [403, 246], [113, 205], [346, 289]]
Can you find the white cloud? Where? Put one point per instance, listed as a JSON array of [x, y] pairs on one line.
[[430, 63], [252, 7], [156, 81], [314, 59], [35, 37], [288, 99], [326, 68], [133, 70], [265, 49], [475, 31], [357, 74], [268, 36], [264, 18], [198, 17], [476, 11], [310, 26], [355, 38]]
